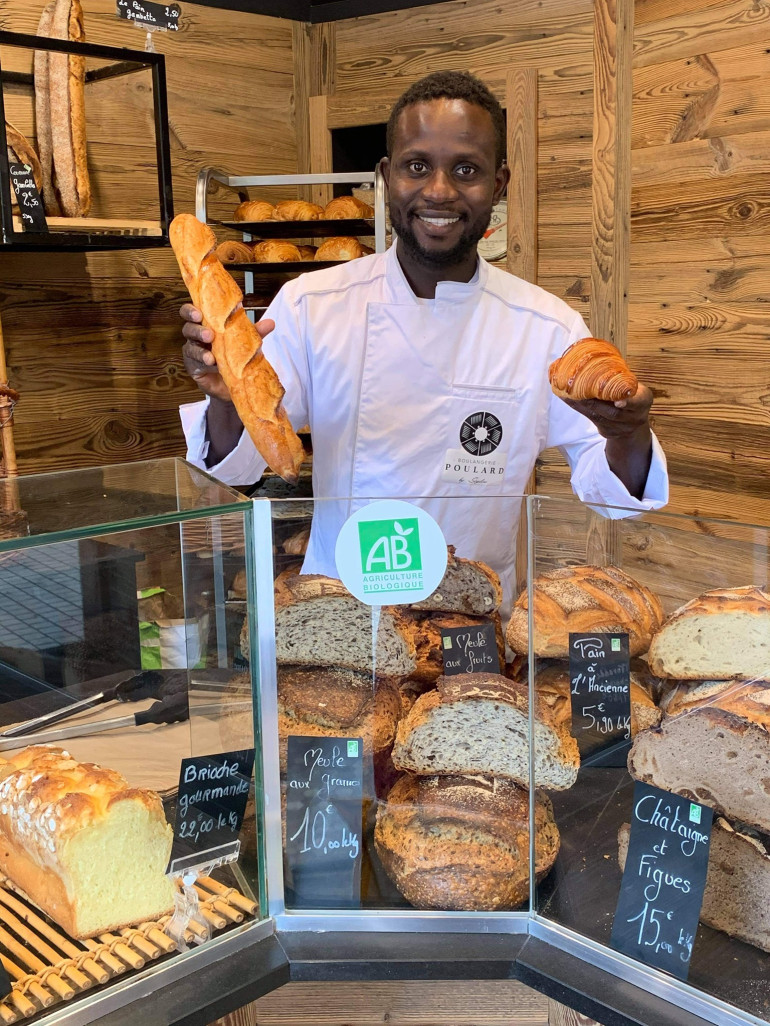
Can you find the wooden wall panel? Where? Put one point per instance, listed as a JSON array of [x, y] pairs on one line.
[[93, 339]]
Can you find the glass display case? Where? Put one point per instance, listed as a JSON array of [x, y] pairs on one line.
[[130, 836]]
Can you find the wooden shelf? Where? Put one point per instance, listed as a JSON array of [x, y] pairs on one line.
[[99, 226]]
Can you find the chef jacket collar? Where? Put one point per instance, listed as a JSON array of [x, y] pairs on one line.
[[453, 291]]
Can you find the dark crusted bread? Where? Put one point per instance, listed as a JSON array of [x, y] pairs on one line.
[[581, 599], [718, 635], [319, 623], [736, 899], [462, 842], [552, 684], [467, 586], [426, 634], [479, 723], [712, 747]]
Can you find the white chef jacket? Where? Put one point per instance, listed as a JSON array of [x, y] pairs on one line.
[[391, 386]]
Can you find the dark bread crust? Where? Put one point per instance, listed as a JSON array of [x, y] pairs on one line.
[[426, 634]]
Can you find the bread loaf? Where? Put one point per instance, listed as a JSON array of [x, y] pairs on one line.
[[254, 386], [736, 899], [87, 848], [21, 151], [585, 599], [339, 249], [462, 842], [319, 623], [426, 633], [43, 114], [468, 586], [720, 634], [592, 369], [344, 207], [254, 210], [479, 723], [552, 683], [713, 746], [297, 210]]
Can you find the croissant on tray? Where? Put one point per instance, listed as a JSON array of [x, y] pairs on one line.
[[592, 369], [297, 210], [234, 253]]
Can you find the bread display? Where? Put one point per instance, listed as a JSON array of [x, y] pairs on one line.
[[552, 683], [275, 251], [592, 369], [720, 634], [254, 210], [712, 746], [319, 623], [21, 151], [87, 848], [462, 842], [344, 207], [297, 210], [479, 723], [339, 249], [585, 599], [468, 586], [254, 386], [60, 110], [234, 253], [426, 632]]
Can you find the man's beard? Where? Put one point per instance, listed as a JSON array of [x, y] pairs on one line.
[[468, 240]]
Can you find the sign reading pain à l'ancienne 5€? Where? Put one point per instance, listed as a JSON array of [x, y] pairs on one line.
[[391, 553]]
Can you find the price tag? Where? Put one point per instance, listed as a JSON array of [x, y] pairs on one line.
[[324, 790], [600, 691], [163, 16], [470, 649], [31, 209], [211, 802], [663, 880]]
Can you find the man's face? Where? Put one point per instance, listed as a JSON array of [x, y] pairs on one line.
[[442, 179]]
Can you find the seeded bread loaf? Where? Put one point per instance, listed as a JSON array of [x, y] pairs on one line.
[[467, 586], [319, 623], [736, 897], [462, 842], [581, 599], [87, 848], [552, 684], [713, 746], [718, 635], [426, 633], [479, 723]]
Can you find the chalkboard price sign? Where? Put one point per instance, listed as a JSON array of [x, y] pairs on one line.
[[211, 802], [31, 209], [149, 15], [599, 690], [324, 792], [665, 873], [469, 650]]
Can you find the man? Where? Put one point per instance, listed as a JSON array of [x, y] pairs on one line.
[[424, 371]]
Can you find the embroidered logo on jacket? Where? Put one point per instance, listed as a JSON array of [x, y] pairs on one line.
[[481, 433]]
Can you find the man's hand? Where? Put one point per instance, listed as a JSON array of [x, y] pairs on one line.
[[626, 426]]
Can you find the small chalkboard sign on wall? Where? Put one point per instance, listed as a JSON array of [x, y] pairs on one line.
[[150, 15], [324, 793], [600, 693], [470, 649], [31, 209], [663, 880]]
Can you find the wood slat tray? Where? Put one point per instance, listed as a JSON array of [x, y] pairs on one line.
[[47, 967], [99, 226], [301, 229]]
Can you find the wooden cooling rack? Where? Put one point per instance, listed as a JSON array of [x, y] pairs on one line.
[[47, 967]]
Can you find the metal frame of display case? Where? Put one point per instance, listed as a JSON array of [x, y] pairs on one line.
[[125, 62]]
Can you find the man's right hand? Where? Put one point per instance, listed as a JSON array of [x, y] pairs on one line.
[[198, 359]]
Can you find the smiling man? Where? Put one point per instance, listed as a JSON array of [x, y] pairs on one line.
[[423, 371]]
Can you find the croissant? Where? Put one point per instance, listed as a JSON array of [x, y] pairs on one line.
[[255, 210], [339, 248], [592, 369], [273, 251], [297, 210], [254, 386], [234, 253], [344, 207]]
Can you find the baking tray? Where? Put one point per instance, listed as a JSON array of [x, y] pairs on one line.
[[290, 267], [301, 229]]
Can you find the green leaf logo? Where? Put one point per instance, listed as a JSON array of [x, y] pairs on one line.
[[400, 530]]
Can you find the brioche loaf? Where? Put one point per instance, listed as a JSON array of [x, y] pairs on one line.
[[585, 599], [21, 151], [87, 848], [592, 369], [426, 633], [720, 634], [319, 623], [736, 899], [479, 723], [712, 746], [344, 207], [462, 842], [468, 586], [254, 386], [552, 684]]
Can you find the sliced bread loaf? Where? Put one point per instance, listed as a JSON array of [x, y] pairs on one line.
[[462, 842], [479, 723], [718, 635], [319, 623], [426, 633], [467, 587]]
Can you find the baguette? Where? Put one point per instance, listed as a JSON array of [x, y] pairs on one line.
[[43, 115], [254, 386], [21, 151], [87, 848], [66, 76]]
